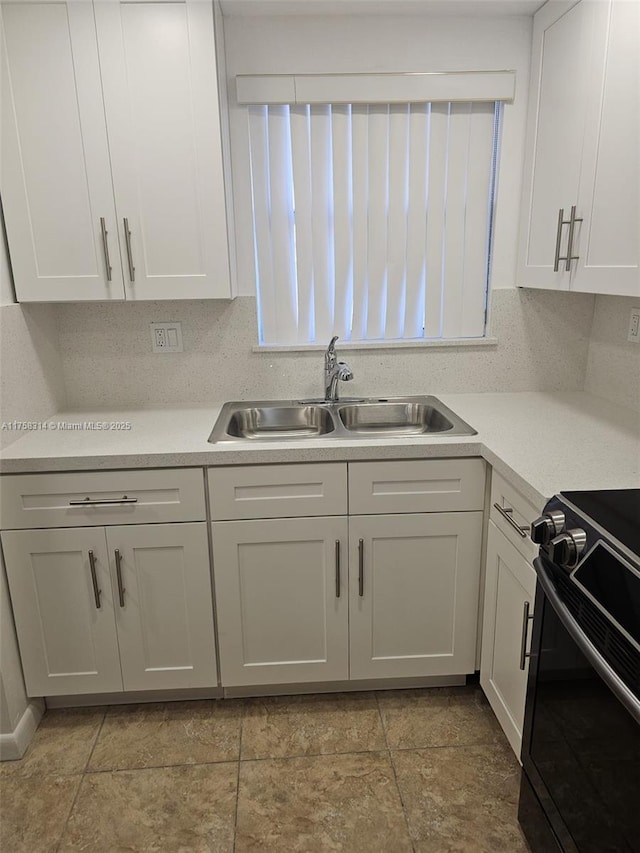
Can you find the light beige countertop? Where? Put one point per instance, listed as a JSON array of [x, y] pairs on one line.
[[542, 442]]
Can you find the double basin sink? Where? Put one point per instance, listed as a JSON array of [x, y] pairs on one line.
[[310, 419]]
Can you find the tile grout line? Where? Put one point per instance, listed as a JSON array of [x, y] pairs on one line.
[[298, 756], [235, 818], [312, 755], [95, 742], [82, 776], [395, 775], [187, 765]]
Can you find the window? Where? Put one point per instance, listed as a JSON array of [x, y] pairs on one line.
[[372, 221]]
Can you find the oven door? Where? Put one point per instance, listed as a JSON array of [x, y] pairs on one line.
[[581, 741]]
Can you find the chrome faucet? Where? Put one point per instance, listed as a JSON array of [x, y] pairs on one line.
[[334, 371]]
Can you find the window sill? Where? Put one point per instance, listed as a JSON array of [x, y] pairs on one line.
[[380, 345]]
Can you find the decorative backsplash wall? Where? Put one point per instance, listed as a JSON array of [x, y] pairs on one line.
[[89, 356], [107, 360], [31, 377], [613, 363]]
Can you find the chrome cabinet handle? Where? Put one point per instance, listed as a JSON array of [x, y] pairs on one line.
[[121, 589], [526, 618], [127, 239], [105, 247], [572, 224], [505, 512], [337, 568], [94, 580], [561, 222], [361, 567], [103, 501]]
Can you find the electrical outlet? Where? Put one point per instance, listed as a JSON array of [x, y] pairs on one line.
[[634, 326], [166, 337]]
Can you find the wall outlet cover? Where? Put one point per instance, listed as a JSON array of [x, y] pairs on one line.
[[634, 326], [166, 337]]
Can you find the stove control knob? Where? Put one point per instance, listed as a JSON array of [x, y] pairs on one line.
[[550, 524], [566, 549]]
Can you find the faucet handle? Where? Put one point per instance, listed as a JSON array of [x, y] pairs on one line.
[[330, 356]]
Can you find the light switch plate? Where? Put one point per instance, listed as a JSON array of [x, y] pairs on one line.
[[166, 337], [634, 326]]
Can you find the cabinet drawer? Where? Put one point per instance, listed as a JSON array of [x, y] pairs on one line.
[[417, 485], [278, 491], [139, 497], [516, 508]]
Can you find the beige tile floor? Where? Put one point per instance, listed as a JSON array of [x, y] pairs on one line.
[[409, 770]]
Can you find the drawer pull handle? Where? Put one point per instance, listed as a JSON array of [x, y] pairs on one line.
[[337, 568], [121, 589], [505, 512], [526, 618], [94, 580], [103, 501], [361, 567]]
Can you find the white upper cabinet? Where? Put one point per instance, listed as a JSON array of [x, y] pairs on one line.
[[111, 124], [579, 223], [161, 102], [55, 176], [608, 241]]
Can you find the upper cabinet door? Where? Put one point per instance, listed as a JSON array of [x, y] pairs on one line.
[[55, 176], [556, 124], [161, 101], [608, 243], [582, 150]]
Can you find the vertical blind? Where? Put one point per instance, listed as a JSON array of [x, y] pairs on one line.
[[372, 222]]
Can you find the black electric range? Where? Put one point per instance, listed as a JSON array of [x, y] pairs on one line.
[[580, 790]]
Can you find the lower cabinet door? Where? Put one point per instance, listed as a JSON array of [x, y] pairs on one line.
[[281, 592], [414, 586], [163, 604], [63, 608], [509, 595]]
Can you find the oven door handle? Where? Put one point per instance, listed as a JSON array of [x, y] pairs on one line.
[[593, 656]]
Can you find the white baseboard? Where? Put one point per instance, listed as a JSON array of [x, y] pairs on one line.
[[14, 745], [133, 697], [345, 686]]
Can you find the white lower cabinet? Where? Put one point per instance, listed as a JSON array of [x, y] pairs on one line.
[[66, 628], [294, 606], [414, 584], [165, 616], [145, 623], [282, 600], [128, 607], [509, 595]]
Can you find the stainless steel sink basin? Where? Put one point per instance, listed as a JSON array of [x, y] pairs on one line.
[[393, 417], [280, 422]]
